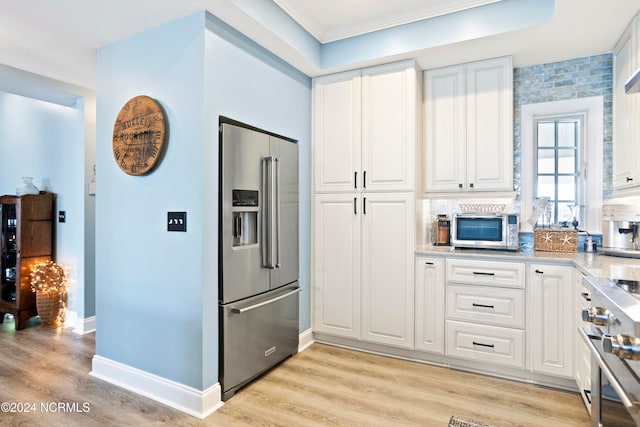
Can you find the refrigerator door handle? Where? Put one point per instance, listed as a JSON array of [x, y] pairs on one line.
[[263, 303], [270, 213], [277, 211]]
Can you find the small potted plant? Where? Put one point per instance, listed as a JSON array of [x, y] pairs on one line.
[[49, 283]]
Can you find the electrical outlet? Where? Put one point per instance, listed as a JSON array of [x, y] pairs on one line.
[[62, 216]]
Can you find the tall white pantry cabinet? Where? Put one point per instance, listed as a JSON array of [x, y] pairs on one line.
[[365, 132]]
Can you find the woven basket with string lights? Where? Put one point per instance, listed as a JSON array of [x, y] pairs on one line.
[[48, 282]]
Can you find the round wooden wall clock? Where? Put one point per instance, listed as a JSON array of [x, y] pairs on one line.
[[138, 135]]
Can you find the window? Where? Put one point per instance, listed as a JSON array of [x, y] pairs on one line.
[[589, 112], [557, 166]]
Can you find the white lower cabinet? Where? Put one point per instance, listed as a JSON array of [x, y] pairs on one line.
[[429, 304], [363, 273], [502, 346], [482, 272], [511, 318], [552, 326], [336, 271], [484, 304], [485, 311], [388, 242]]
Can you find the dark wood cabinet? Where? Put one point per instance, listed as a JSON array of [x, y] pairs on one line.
[[26, 238]]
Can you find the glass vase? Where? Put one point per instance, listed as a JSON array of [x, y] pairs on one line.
[[27, 187]]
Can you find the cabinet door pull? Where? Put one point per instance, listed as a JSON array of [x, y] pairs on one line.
[[539, 271], [364, 205], [483, 305], [355, 206], [482, 273], [586, 296], [629, 179], [364, 179], [355, 179], [483, 345]]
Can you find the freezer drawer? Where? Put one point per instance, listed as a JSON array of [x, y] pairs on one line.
[[256, 334]]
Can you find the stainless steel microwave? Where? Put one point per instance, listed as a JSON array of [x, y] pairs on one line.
[[485, 231]]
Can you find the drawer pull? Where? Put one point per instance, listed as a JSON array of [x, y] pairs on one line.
[[539, 271], [482, 273], [586, 296], [428, 263], [483, 305], [483, 345]]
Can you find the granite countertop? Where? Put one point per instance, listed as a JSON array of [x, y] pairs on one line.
[[589, 263]]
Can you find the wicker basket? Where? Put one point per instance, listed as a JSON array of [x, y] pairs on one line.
[[549, 240], [48, 304]]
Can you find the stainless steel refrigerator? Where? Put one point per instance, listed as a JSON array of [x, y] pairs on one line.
[[258, 282]]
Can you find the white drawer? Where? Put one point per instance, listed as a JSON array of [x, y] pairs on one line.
[[502, 346], [484, 304], [494, 273]]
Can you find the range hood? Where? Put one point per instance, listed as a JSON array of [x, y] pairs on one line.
[[632, 85]]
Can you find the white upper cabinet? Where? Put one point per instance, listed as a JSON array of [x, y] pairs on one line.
[[469, 127], [445, 129], [337, 131], [626, 164], [365, 129], [389, 127]]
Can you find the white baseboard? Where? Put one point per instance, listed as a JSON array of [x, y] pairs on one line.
[[80, 325], [305, 340], [187, 399]]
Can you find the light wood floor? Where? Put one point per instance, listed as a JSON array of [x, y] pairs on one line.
[[321, 386]]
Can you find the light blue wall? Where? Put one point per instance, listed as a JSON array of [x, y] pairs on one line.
[[148, 280], [156, 293], [46, 141]]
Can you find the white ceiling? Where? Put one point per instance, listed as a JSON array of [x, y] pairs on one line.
[[330, 20], [58, 39]]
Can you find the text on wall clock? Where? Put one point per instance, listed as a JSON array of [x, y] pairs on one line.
[[139, 135]]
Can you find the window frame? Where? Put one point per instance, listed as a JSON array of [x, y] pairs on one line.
[[592, 157]]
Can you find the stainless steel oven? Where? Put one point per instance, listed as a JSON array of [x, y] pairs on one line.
[[614, 320]]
